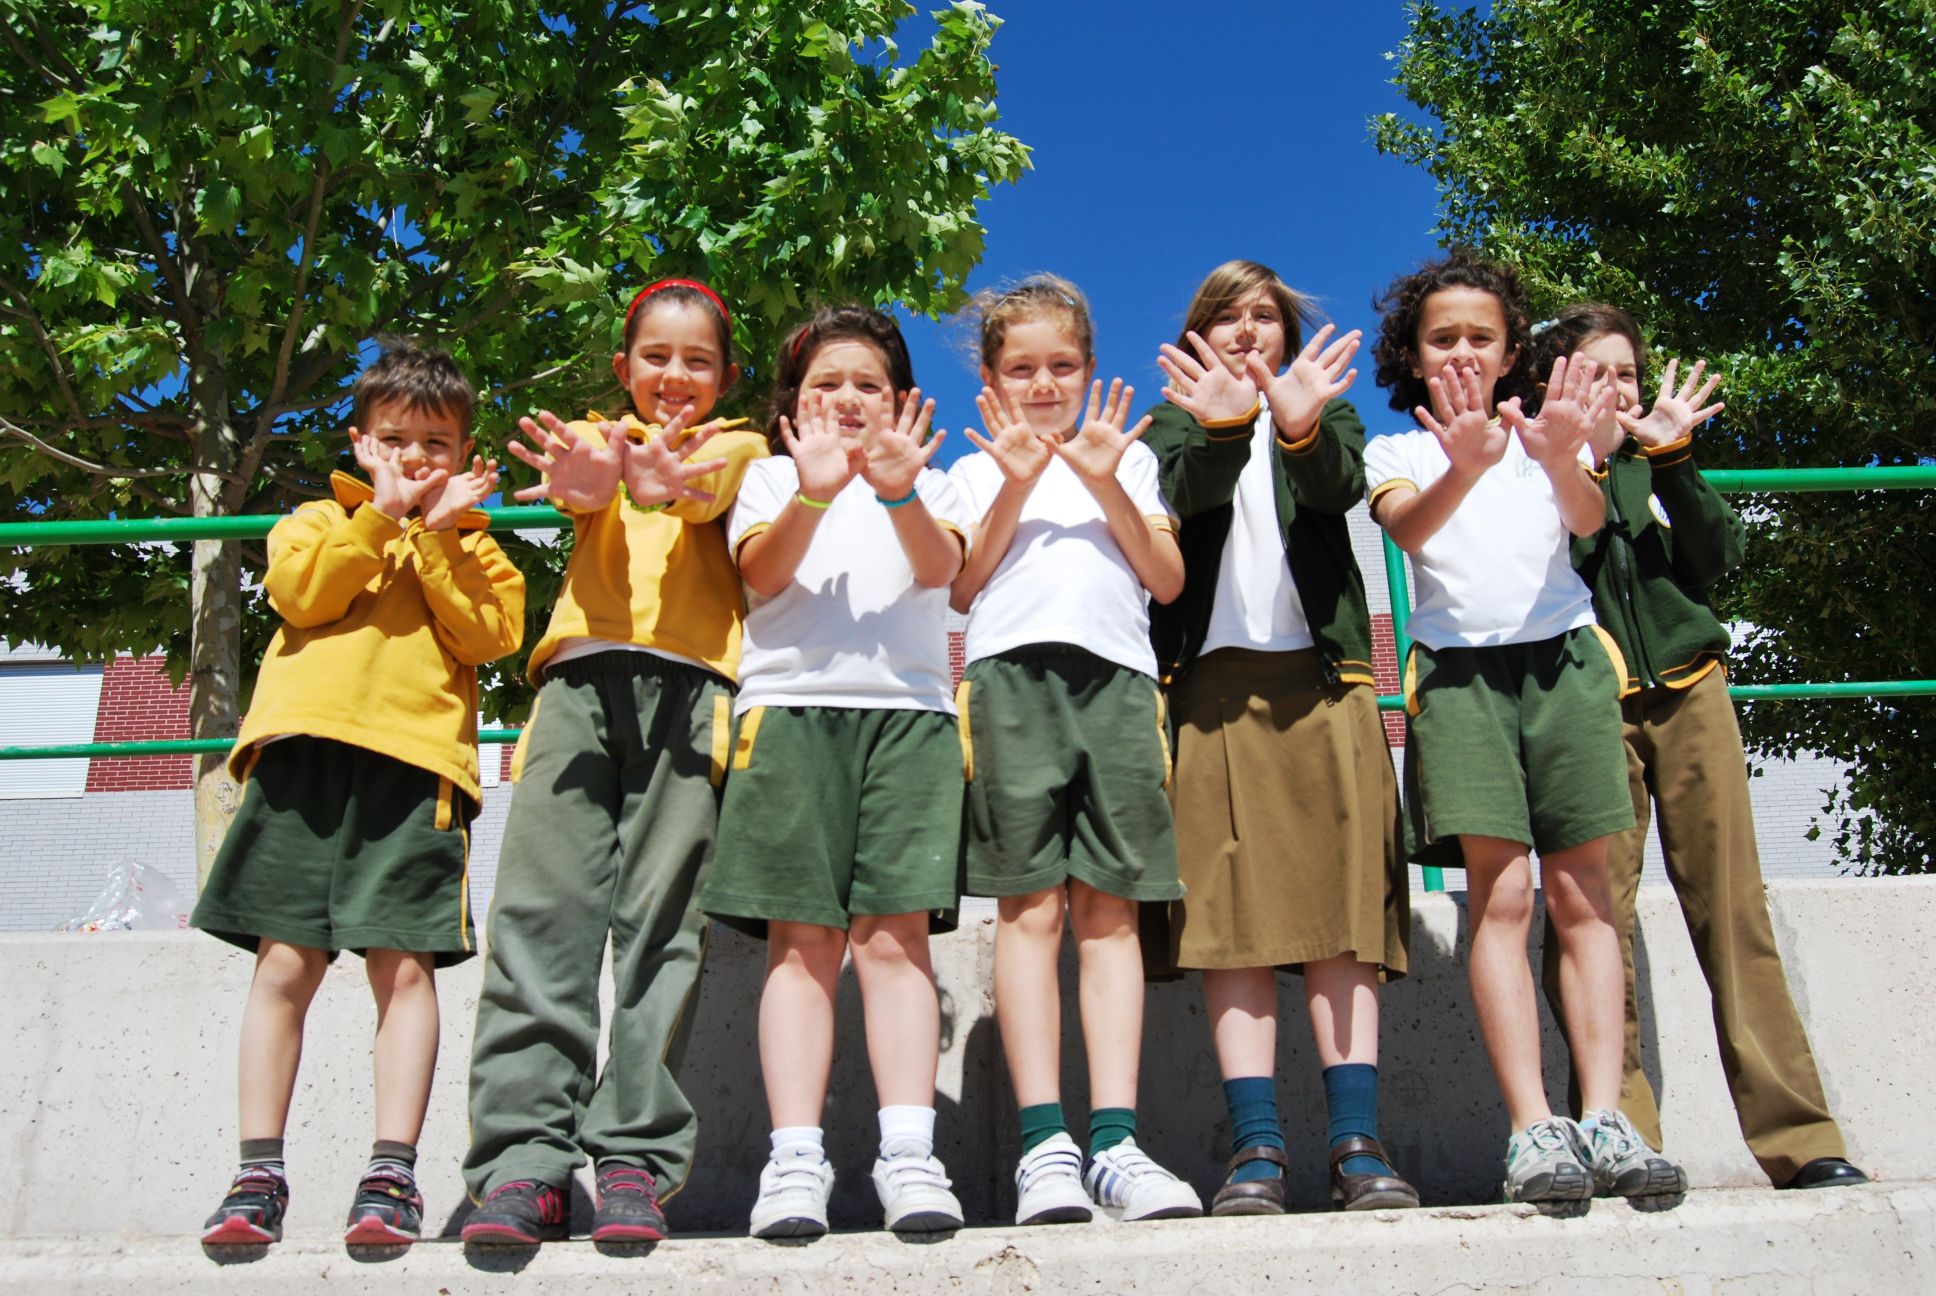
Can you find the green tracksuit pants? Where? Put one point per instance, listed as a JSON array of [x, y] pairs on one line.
[[610, 833]]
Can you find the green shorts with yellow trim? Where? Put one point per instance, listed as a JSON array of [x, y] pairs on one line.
[[1067, 777], [833, 813], [338, 847], [1517, 741]]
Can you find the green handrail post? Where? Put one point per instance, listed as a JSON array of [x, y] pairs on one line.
[[1401, 612]]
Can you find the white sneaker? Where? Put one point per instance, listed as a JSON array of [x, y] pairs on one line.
[[913, 1188], [1129, 1186], [1048, 1184], [793, 1196]]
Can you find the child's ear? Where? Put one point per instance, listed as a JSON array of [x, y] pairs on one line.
[[1089, 372], [732, 376], [987, 376], [618, 368]]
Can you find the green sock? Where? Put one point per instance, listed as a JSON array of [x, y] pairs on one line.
[[1109, 1126], [1040, 1123]]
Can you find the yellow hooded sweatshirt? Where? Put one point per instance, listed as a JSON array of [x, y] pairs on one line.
[[659, 578], [384, 627]]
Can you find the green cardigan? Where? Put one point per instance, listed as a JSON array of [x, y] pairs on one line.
[[1318, 480], [1649, 578]]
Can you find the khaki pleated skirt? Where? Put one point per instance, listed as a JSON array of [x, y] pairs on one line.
[[1287, 822]]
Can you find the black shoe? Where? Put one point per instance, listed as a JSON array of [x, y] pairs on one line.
[[1826, 1172], [251, 1215], [628, 1205], [523, 1212], [388, 1210]]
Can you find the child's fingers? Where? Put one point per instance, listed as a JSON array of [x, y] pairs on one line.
[[1141, 427], [1112, 407], [532, 493], [1316, 344], [1426, 421], [1343, 384], [1257, 371], [1202, 348], [1339, 353], [975, 440], [1179, 366], [698, 438], [689, 471], [1701, 416], [923, 419], [1667, 377], [1095, 401], [926, 452], [790, 441]]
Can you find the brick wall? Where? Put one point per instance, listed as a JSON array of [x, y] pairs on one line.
[[137, 702]]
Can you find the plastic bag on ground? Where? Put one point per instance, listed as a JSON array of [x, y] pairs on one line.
[[134, 898]]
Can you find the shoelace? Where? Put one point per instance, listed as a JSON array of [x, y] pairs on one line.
[[1550, 1136], [1059, 1160], [1625, 1142]]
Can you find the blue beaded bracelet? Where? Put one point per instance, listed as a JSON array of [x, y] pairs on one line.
[[905, 499]]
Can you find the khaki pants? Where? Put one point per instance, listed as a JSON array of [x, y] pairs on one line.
[[1684, 753], [609, 834]]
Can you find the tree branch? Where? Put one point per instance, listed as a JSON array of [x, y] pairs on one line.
[[12, 429], [27, 312]]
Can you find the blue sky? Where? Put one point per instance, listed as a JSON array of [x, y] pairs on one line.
[[1168, 138]]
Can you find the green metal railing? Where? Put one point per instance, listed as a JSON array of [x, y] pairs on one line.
[[1729, 481]]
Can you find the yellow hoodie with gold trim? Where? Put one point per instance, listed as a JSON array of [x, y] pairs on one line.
[[384, 627], [660, 578]]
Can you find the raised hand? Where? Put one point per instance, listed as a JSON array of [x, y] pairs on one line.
[[1099, 444], [1320, 373], [893, 453], [1675, 413], [662, 470], [579, 474], [824, 459], [397, 492], [1017, 449], [1461, 422], [465, 490], [1202, 386], [1567, 416]]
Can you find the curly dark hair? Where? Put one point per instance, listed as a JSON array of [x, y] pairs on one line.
[[1402, 304], [1578, 325], [421, 378], [834, 324]]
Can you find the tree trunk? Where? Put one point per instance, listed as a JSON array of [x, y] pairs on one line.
[[215, 622]]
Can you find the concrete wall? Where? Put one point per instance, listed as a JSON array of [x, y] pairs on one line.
[[117, 1090]]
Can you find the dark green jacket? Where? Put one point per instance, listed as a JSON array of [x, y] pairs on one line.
[[1649, 579], [1318, 481]]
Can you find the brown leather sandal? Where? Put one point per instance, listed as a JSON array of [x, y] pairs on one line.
[[1367, 1191], [1252, 1196]]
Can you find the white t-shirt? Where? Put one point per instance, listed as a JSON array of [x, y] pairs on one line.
[[851, 629], [1256, 604], [1498, 571], [1064, 578]]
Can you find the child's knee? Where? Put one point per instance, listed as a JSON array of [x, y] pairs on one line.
[[1098, 914], [1037, 915], [401, 971], [892, 941], [291, 971]]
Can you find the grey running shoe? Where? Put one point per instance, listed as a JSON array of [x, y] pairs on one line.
[[1544, 1163], [1622, 1163]]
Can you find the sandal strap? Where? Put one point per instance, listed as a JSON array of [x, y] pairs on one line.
[[1259, 1152], [1358, 1145]]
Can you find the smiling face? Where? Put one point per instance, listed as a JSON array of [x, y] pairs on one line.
[[427, 436], [849, 379], [1253, 322], [1044, 374], [1465, 328], [674, 362], [1614, 354]]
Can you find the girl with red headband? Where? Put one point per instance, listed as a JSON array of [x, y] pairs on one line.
[[618, 782]]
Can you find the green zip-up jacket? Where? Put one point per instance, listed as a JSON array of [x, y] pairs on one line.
[[1649, 574], [1318, 480]]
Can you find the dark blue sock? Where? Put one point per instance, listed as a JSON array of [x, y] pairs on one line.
[[1351, 1096], [1253, 1122]]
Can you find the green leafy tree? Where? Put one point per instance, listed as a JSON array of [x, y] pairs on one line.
[[210, 210], [1756, 180]]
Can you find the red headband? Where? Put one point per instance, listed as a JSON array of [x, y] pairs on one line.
[[693, 284]]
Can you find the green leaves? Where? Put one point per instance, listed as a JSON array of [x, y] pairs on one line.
[[1755, 181], [209, 211]]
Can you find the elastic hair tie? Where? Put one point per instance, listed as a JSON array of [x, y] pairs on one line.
[[1542, 326], [693, 284]]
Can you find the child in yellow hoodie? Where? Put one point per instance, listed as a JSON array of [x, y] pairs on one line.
[[619, 772], [359, 757]]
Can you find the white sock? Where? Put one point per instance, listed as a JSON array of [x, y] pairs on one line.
[[799, 1140], [908, 1127]]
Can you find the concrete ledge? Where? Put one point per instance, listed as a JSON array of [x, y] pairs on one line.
[[1879, 1240], [117, 1077]]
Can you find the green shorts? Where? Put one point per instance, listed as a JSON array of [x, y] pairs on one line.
[[1516, 741], [1067, 769], [337, 847], [834, 812]]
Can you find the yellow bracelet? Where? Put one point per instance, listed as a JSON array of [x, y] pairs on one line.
[[812, 503]]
